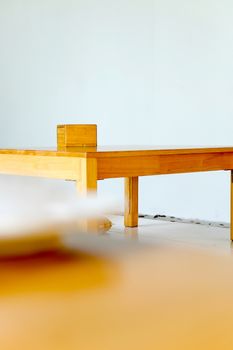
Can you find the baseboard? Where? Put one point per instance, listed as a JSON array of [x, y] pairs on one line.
[[184, 221]]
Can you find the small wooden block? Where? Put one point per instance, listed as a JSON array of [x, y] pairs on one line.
[[76, 135]]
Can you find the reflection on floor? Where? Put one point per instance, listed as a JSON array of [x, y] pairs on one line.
[[215, 239]]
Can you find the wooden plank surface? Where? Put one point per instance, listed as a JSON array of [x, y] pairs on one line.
[[117, 151], [163, 164], [113, 164], [112, 167], [49, 166]]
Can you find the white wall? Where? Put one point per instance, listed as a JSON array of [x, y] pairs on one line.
[[147, 72]]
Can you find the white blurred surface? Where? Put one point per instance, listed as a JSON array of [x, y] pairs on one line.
[[28, 204]]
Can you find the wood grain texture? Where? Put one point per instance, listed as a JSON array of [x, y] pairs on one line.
[[117, 151], [87, 182], [163, 164], [131, 202], [49, 166], [76, 135], [132, 151], [87, 186]]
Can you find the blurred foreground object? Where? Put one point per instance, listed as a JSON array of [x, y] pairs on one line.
[[62, 289], [148, 298], [35, 214]]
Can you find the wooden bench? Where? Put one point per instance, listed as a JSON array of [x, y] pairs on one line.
[[78, 158]]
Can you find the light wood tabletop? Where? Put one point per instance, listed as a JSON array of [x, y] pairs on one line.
[[79, 158]]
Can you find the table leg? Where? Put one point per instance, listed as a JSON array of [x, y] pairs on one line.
[[87, 179], [131, 201], [87, 185], [231, 216]]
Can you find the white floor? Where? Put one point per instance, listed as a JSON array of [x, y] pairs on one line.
[[214, 239]]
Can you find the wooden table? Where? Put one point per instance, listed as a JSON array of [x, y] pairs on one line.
[[78, 158]]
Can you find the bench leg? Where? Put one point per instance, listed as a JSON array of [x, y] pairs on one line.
[[131, 202], [87, 178], [87, 184], [231, 215]]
